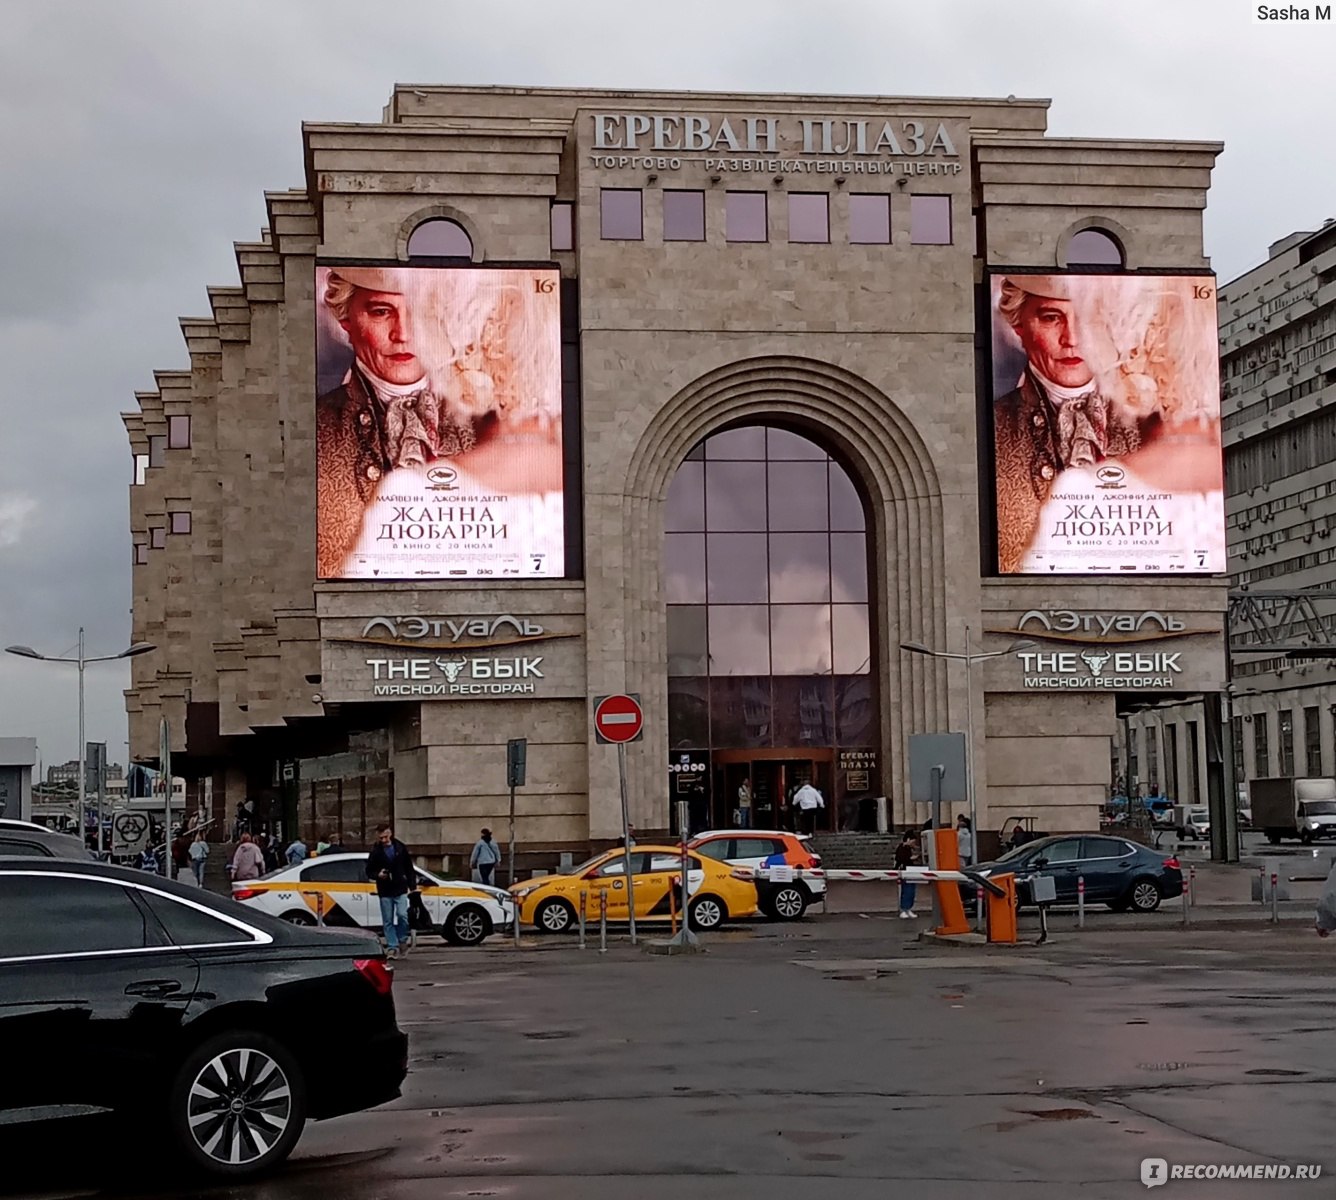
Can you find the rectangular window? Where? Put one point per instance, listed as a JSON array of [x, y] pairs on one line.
[[178, 522], [1287, 743], [1313, 741], [178, 433], [620, 215], [745, 217], [562, 225], [141, 554], [809, 217], [683, 216], [141, 469], [869, 220], [1133, 766], [157, 537], [1152, 761], [1261, 746], [1240, 771], [157, 450], [1192, 794], [930, 220], [1171, 762]]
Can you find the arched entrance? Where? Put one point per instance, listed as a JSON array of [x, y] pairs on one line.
[[771, 675]]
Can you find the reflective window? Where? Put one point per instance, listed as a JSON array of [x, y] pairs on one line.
[[684, 568], [745, 217], [683, 216], [735, 495], [620, 214], [141, 554], [189, 926], [736, 568], [766, 577], [809, 217], [1065, 850], [17, 848], [178, 433], [1095, 248], [686, 499], [930, 220], [141, 469], [716, 849], [157, 537], [869, 220], [77, 916], [440, 238], [178, 522], [562, 225], [344, 870], [157, 450]]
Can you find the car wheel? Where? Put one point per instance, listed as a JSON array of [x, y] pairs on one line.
[[1306, 838], [237, 1105], [467, 925], [1273, 838], [298, 916], [1144, 896], [707, 912], [787, 904], [554, 916]]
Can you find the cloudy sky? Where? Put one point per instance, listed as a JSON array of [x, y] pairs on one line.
[[138, 137]]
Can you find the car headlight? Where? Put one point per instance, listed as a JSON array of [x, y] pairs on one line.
[[523, 892]]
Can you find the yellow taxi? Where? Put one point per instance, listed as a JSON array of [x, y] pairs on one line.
[[551, 903]]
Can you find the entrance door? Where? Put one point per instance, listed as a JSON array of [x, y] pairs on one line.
[[774, 776]]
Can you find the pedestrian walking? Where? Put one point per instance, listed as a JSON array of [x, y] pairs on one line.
[[1326, 905], [907, 855], [269, 851], [391, 866], [808, 801], [199, 856], [486, 854], [247, 861], [296, 852], [965, 840]]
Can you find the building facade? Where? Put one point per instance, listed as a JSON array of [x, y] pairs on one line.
[[1278, 377], [773, 453]]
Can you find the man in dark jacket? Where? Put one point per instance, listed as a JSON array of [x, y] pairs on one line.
[[391, 866]]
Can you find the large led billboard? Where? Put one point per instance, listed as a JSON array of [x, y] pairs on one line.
[[438, 423], [1106, 424]]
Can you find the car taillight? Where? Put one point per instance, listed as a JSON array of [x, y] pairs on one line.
[[746, 874], [245, 893], [376, 973], [1172, 862], [813, 861]]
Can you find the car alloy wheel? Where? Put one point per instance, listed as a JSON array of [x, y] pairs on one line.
[[706, 913], [1145, 896], [299, 916], [238, 1104], [554, 916], [789, 904], [467, 926]]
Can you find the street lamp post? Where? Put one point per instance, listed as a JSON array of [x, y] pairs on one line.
[[969, 660], [82, 660]]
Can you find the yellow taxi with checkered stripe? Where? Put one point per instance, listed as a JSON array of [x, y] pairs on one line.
[[332, 889], [718, 892]]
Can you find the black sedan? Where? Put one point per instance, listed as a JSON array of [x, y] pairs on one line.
[[1117, 872], [185, 1015], [28, 840]]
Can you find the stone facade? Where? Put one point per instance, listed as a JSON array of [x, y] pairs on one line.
[[871, 349]]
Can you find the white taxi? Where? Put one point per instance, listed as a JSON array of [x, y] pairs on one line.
[[333, 889]]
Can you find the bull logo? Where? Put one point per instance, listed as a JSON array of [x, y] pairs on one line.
[[451, 668], [1095, 659]]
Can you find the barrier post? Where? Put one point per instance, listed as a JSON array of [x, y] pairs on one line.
[[672, 907], [1080, 902], [1275, 898], [584, 898], [1187, 905], [1192, 884], [1261, 884], [603, 922]]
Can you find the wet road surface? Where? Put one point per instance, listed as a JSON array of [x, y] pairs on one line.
[[838, 1057]]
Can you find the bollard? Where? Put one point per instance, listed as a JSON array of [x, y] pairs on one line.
[[1261, 884], [1080, 902], [583, 902], [1192, 884], [1275, 894], [1187, 904], [672, 904], [602, 922]]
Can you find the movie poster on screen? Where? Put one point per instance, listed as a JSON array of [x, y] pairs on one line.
[[438, 423], [1106, 424]]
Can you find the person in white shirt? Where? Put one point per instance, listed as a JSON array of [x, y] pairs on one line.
[[965, 840], [807, 801]]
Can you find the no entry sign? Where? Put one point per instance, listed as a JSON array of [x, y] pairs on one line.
[[618, 719]]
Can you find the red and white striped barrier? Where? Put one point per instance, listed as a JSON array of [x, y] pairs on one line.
[[908, 875]]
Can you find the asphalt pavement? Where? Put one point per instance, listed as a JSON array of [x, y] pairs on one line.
[[842, 1056]]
